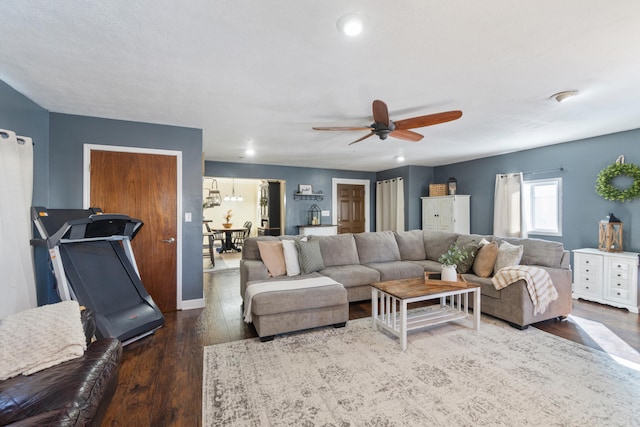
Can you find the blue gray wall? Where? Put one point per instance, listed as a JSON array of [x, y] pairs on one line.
[[67, 135], [23, 116], [581, 162], [296, 210]]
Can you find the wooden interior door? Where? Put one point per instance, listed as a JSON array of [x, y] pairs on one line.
[[143, 186], [351, 215]]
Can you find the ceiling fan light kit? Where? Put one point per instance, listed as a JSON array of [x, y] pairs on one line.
[[383, 126], [564, 95]]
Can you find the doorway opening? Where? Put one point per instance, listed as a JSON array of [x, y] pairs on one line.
[[256, 203]]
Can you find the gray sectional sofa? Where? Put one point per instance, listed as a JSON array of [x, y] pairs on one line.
[[357, 260]]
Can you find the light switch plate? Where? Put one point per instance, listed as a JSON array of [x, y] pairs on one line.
[[187, 217], [326, 213]]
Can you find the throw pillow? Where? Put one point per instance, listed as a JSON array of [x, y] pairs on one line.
[[508, 255], [291, 257], [273, 257], [472, 250], [309, 256], [485, 259]]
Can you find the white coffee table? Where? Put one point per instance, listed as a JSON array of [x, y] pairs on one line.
[[389, 302]]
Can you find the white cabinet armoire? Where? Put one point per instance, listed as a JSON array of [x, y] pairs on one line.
[[606, 277], [446, 213]]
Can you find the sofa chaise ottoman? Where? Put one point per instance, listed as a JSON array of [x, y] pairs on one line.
[[293, 305]]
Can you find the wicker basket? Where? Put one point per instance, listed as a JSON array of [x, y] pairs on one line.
[[437, 190]]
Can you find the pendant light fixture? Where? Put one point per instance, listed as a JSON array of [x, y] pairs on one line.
[[233, 197], [214, 198]]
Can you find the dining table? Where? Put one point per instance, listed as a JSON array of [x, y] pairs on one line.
[[228, 244]]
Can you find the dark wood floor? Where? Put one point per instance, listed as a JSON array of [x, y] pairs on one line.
[[161, 375]]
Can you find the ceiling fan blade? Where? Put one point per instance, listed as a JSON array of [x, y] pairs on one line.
[[364, 137], [380, 112], [407, 135], [428, 120], [341, 128]]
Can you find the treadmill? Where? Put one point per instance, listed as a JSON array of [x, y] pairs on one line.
[[93, 264]]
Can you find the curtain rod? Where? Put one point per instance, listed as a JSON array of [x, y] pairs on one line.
[[390, 180], [560, 169]]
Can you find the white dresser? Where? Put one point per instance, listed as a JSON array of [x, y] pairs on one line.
[[606, 277], [318, 230], [446, 213]]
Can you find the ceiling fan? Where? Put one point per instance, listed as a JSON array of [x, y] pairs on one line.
[[384, 127]]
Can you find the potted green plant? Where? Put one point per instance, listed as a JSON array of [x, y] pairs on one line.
[[450, 261]]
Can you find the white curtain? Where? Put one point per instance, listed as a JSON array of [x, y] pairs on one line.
[[390, 205], [17, 281], [507, 208]]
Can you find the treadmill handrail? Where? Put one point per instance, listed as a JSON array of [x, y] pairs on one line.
[[58, 237]]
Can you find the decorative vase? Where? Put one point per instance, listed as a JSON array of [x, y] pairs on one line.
[[449, 273], [227, 224]]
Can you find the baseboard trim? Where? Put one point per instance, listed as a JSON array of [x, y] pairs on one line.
[[191, 304]]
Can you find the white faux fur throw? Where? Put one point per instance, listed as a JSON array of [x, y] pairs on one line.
[[41, 337], [280, 285], [538, 282]]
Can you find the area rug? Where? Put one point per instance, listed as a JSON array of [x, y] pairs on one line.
[[450, 375]]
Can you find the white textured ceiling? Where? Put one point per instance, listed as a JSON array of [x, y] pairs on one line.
[[261, 73]]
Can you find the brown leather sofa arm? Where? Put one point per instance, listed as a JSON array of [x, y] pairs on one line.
[[74, 393]]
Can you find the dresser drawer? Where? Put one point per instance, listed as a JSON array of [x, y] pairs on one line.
[[618, 275], [617, 294], [586, 259], [619, 284], [588, 288]]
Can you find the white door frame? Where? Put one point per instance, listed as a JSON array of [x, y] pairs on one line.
[[334, 198], [86, 195]]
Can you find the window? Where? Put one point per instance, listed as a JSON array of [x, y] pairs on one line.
[[543, 206]]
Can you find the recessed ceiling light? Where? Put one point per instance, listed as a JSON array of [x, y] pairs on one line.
[[399, 159], [351, 24], [564, 95], [250, 152]]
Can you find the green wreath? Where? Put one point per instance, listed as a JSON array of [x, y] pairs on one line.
[[606, 189]]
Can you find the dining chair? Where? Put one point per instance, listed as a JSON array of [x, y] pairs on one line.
[[240, 236]]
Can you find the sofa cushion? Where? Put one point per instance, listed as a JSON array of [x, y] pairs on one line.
[[410, 245], [338, 250], [394, 270], [291, 261], [273, 257], [486, 286], [508, 256], [428, 265], [539, 252], [309, 256], [437, 242], [485, 259], [352, 275], [379, 246]]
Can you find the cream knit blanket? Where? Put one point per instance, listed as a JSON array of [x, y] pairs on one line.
[[280, 285], [39, 338], [538, 282]]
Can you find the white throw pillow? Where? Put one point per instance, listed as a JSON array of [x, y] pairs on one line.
[[508, 256], [291, 257]]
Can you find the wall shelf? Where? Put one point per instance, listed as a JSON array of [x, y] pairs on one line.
[[313, 196]]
